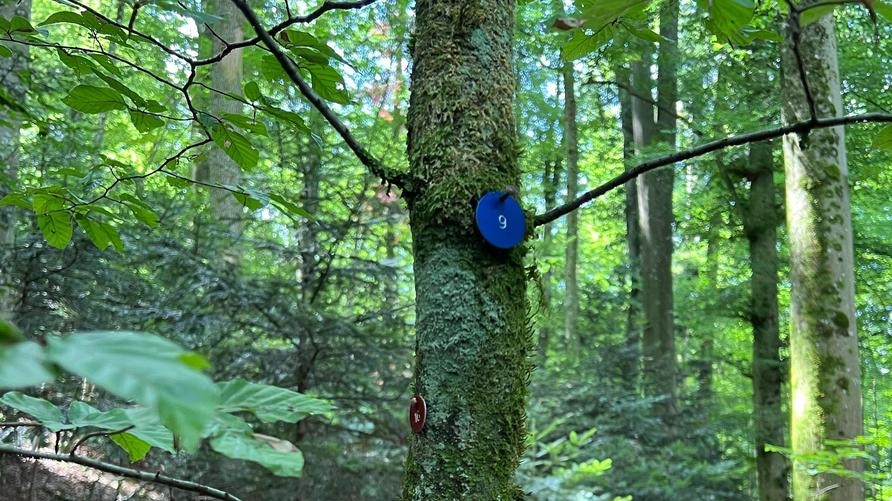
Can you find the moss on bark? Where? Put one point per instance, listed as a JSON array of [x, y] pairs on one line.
[[472, 334]]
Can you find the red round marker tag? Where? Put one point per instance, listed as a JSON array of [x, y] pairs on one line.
[[417, 413]]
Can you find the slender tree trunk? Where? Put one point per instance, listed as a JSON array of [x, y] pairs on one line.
[[571, 149], [655, 220], [825, 368], [631, 362], [472, 338], [760, 223], [226, 76], [11, 80], [551, 178]]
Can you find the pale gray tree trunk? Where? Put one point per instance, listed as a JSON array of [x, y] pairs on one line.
[[571, 150], [825, 369], [11, 69]]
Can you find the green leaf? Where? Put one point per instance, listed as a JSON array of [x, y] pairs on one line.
[[145, 122], [289, 207], [106, 63], [80, 65], [146, 369], [271, 69], [9, 334], [65, 17], [120, 87], [581, 44], [20, 24], [247, 124], [23, 364], [90, 99], [884, 9], [883, 140], [252, 91], [268, 403], [294, 39], [16, 199], [646, 34], [84, 415], [141, 210], [149, 428], [605, 12], [813, 14], [178, 182], [289, 116], [328, 83], [56, 228], [727, 19], [236, 146], [132, 445], [248, 201], [195, 361], [101, 234], [282, 463], [5, 52], [43, 410]]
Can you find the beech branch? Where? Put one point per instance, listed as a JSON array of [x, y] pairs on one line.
[[679, 156], [144, 476], [386, 174]]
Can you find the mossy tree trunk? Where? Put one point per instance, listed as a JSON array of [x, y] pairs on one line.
[[472, 336], [11, 79], [825, 369], [760, 221]]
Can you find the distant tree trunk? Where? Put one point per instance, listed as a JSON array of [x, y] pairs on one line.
[[226, 76], [631, 362], [760, 223], [551, 178], [571, 149], [472, 339], [655, 220], [825, 369], [10, 79]]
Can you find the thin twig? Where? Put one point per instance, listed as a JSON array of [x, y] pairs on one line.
[[679, 156], [101, 433], [144, 476], [375, 166]]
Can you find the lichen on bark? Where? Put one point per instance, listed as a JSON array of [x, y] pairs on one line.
[[473, 338]]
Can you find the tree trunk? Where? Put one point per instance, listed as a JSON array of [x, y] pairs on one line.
[[571, 149], [10, 79], [630, 366], [226, 76], [825, 368], [760, 223], [551, 178], [655, 221], [472, 336]]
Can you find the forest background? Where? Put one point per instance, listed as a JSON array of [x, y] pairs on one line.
[[273, 248]]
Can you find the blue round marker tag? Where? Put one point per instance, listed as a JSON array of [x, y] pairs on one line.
[[500, 220]]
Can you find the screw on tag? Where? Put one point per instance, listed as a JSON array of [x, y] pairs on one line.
[[500, 219], [417, 413]]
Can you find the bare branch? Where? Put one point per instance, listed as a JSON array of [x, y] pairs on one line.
[[679, 156], [376, 167], [144, 476]]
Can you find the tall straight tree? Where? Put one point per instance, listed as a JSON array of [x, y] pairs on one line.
[[472, 334], [633, 236], [571, 150], [825, 369], [760, 220], [655, 222], [11, 80], [226, 77]]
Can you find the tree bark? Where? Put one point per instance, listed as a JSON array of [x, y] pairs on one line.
[[655, 221], [571, 149], [631, 359], [472, 336], [226, 76], [825, 368], [760, 224], [10, 122]]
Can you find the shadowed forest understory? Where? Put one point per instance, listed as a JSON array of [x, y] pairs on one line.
[[590, 250]]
